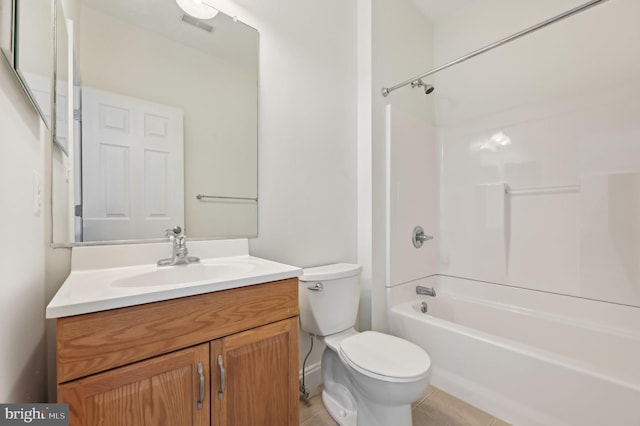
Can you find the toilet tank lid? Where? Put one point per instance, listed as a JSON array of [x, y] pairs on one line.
[[330, 272]]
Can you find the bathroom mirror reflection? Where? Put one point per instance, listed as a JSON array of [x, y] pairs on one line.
[[33, 51], [62, 78], [6, 30], [168, 112]]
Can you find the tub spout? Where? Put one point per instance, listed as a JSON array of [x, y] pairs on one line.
[[426, 291]]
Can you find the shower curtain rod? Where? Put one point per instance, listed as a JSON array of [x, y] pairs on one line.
[[581, 8]]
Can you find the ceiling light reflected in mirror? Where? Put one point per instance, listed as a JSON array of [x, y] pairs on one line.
[[197, 9]]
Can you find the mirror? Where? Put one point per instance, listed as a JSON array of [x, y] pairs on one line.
[[26, 34], [168, 124], [6, 29], [62, 77], [33, 52]]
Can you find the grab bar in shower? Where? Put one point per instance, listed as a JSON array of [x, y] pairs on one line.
[[217, 197]]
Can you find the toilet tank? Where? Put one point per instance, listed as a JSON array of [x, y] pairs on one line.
[[328, 297]]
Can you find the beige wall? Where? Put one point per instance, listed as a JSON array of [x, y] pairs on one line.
[[22, 252]]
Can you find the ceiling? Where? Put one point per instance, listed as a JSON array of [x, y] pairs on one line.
[[439, 9], [230, 39]]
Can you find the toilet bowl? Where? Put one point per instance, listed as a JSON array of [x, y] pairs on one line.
[[369, 378]]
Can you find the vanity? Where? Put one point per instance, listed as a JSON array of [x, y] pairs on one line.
[[213, 345]]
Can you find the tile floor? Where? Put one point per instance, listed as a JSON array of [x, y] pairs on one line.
[[436, 408]]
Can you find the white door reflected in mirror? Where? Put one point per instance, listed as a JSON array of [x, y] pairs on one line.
[[132, 164]]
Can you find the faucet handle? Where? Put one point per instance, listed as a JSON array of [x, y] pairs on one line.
[[174, 232]]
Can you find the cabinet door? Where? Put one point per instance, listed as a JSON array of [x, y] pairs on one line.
[[260, 376], [165, 390]]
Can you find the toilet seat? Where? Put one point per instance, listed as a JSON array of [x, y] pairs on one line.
[[385, 357]]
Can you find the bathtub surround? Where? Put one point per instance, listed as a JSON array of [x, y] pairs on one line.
[[490, 231], [538, 193], [412, 178], [494, 127], [571, 155], [610, 214], [571, 202]]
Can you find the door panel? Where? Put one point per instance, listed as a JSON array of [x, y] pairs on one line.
[[132, 165], [161, 391], [261, 383]]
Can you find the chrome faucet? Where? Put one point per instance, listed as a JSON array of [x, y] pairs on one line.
[[180, 253], [426, 291]]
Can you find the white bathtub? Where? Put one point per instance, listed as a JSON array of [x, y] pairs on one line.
[[528, 357]]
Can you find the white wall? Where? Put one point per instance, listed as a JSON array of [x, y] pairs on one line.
[[22, 253], [364, 157], [567, 98], [401, 48], [307, 132]]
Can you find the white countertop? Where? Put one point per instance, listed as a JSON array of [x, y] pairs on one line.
[[101, 279]]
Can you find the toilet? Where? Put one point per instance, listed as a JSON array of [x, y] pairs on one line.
[[369, 378]]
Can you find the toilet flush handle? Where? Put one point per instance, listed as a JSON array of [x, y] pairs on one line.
[[316, 287]]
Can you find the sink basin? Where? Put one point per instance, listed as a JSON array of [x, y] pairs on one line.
[[97, 282], [186, 274]]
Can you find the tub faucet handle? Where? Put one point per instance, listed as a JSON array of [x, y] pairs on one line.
[[418, 237]]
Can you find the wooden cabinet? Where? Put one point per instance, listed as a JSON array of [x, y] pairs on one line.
[[224, 358], [164, 390], [257, 383]]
